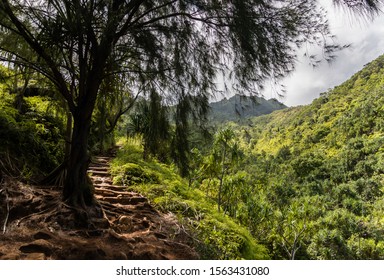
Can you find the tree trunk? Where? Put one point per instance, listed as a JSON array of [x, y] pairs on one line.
[[221, 178], [102, 132], [78, 187], [68, 136]]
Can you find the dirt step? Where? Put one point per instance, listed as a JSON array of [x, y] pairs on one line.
[[99, 173], [98, 164], [102, 181], [101, 162], [104, 185], [123, 200], [103, 159], [103, 192], [98, 168], [113, 192], [108, 185]]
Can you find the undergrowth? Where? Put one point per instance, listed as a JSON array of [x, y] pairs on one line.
[[216, 236], [31, 142]]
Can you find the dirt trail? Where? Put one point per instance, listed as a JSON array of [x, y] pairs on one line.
[[37, 225]]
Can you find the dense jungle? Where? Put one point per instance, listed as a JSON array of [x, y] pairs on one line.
[[111, 148]]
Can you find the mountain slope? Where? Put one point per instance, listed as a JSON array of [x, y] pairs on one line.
[[319, 173], [353, 109], [240, 107]]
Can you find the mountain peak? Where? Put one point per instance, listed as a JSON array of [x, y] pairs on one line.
[[240, 107]]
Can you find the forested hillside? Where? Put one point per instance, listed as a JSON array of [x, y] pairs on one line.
[[315, 174], [31, 132], [108, 150]]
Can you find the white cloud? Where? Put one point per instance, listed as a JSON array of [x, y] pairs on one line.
[[367, 39]]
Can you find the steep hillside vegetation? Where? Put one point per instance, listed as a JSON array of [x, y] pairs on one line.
[[31, 137], [215, 235], [319, 173], [351, 110]]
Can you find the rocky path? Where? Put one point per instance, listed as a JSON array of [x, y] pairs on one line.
[[133, 228], [111, 195], [133, 217]]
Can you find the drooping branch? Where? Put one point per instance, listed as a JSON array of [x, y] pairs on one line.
[[365, 8]]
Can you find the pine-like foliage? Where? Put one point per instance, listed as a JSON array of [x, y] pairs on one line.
[[172, 47]]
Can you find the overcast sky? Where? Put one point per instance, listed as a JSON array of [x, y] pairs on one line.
[[367, 39]]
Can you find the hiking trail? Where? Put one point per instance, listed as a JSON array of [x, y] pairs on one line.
[[37, 225]]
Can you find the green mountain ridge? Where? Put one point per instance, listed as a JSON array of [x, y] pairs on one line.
[[350, 110], [240, 107]]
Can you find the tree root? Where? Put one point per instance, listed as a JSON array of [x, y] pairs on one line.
[[87, 217], [36, 214], [8, 210], [57, 176]]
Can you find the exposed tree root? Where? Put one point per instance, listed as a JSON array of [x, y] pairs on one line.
[[7, 216], [56, 177], [41, 226], [120, 225]]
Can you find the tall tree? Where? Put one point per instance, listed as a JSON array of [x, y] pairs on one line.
[[173, 47], [226, 153], [150, 121]]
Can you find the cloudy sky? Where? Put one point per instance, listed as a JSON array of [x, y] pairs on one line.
[[367, 39]]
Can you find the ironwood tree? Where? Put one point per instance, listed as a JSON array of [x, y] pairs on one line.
[[113, 101], [176, 48]]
